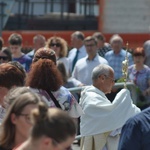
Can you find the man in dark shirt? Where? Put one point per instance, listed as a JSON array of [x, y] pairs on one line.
[[135, 134]]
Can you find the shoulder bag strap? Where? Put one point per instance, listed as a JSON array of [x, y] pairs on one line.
[[54, 100]]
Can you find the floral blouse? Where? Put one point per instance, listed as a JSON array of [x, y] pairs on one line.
[[140, 78], [65, 99]]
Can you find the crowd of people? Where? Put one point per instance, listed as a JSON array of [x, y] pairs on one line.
[[37, 111]]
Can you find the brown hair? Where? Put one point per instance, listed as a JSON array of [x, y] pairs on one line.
[[8, 130], [44, 75], [13, 93], [7, 52], [53, 122], [78, 35], [10, 76], [15, 39], [99, 36], [63, 45], [139, 51], [90, 38], [44, 53]]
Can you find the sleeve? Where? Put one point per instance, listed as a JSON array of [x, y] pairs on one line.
[[75, 72], [75, 110], [75, 82], [68, 102], [130, 136]]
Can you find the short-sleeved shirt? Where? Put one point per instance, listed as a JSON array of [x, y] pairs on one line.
[[65, 99], [140, 78], [135, 134], [84, 67], [115, 61], [25, 61]]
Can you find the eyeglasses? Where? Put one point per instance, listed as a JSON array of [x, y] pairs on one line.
[[27, 117], [4, 57], [60, 146], [55, 44], [113, 80], [89, 45]]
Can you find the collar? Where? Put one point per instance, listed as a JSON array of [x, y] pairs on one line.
[[140, 71], [94, 59], [99, 91], [121, 53]]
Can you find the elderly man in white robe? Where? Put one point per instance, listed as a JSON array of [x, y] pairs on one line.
[[101, 117]]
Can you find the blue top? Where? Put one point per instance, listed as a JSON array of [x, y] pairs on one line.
[[140, 78], [136, 132], [115, 61], [25, 61]]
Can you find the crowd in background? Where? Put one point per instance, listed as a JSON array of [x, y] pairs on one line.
[[46, 73], [86, 53]]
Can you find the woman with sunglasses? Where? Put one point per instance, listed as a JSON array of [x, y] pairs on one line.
[[52, 129], [139, 74], [59, 45], [5, 55], [16, 124]]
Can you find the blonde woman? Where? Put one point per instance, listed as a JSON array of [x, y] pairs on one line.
[[16, 124], [52, 129], [59, 45]]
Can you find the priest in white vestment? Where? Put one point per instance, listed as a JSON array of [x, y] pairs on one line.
[[101, 116]]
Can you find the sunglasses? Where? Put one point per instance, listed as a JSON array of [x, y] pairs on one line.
[[27, 117], [4, 57], [55, 44]]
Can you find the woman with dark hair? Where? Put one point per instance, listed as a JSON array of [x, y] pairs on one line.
[[59, 45], [10, 76], [140, 74], [5, 55], [16, 124], [52, 129], [44, 78]]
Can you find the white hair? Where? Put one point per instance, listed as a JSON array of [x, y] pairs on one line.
[[116, 37], [100, 70]]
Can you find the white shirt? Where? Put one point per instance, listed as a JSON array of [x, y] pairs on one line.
[[72, 54], [84, 67], [100, 115]]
